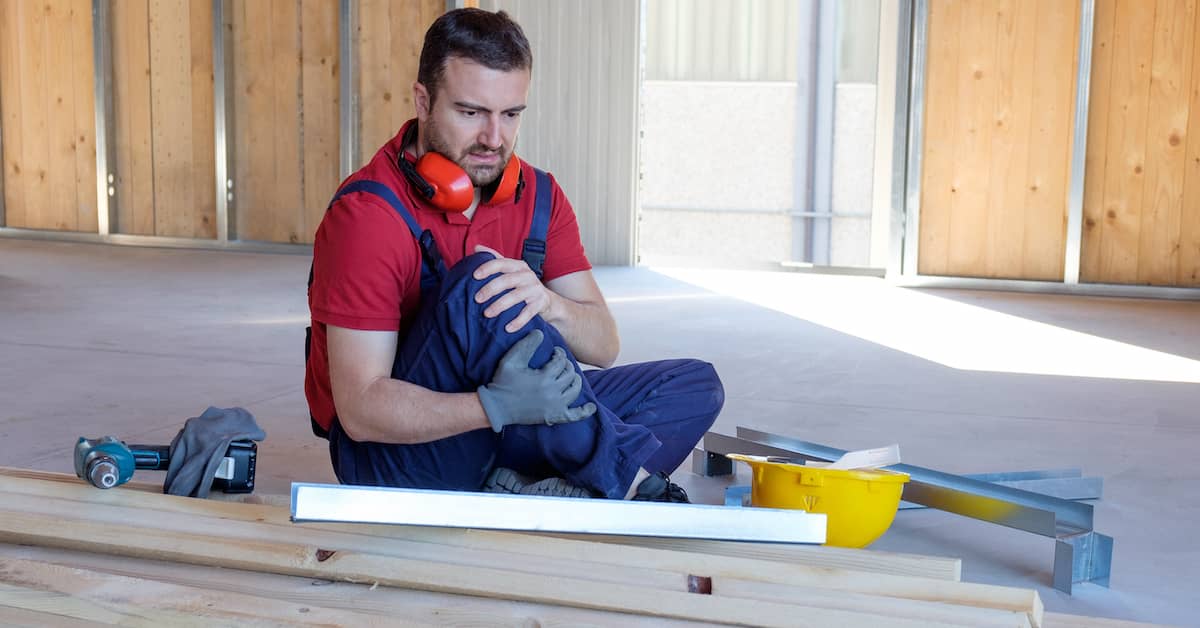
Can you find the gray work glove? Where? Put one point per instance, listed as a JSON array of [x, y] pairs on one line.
[[520, 395], [199, 447]]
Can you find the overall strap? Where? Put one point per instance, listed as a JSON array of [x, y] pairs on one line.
[[534, 251], [432, 267]]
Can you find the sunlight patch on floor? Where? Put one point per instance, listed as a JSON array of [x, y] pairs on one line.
[[944, 331]]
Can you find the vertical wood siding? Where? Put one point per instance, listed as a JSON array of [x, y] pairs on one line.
[[1142, 196], [996, 148], [47, 101]]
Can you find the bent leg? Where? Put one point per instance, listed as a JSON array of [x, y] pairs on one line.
[[453, 347], [677, 400]]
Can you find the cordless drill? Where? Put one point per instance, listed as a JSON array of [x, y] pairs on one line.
[[107, 462]]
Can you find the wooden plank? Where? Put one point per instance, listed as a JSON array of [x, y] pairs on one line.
[[490, 549], [59, 605], [12, 123], [253, 119], [1009, 154], [34, 123], [1189, 228], [61, 117], [319, 26], [873, 561], [825, 558], [386, 72], [1063, 620], [931, 612], [977, 74], [286, 201], [10, 616], [1099, 98], [83, 139], [171, 106], [133, 147], [1167, 123], [203, 160], [939, 187], [1124, 179], [422, 607], [1045, 204], [390, 37], [60, 212], [81, 592], [44, 522]]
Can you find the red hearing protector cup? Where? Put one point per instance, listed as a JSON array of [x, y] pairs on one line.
[[449, 188]]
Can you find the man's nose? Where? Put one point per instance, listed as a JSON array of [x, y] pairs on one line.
[[489, 135]]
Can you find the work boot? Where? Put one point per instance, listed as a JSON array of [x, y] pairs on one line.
[[660, 488], [504, 480]]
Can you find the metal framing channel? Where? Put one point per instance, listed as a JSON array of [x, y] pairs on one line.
[[1081, 554], [226, 216], [106, 201], [496, 511], [822, 171], [1083, 80], [348, 113], [916, 134], [900, 139]]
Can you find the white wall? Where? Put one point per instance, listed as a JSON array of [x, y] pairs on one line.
[[582, 119]]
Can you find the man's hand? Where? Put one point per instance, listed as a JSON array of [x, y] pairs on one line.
[[522, 395], [523, 286]]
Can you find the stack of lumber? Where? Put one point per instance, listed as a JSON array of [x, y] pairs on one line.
[[72, 553]]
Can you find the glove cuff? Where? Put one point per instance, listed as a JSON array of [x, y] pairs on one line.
[[493, 410]]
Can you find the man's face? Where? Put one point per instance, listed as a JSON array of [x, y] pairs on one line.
[[475, 118]]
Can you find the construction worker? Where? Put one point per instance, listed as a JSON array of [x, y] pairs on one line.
[[452, 303]]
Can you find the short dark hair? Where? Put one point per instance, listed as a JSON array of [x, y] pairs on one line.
[[492, 40]]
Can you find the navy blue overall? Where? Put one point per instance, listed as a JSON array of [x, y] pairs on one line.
[[649, 415]]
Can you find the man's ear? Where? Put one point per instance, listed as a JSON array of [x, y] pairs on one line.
[[421, 100]]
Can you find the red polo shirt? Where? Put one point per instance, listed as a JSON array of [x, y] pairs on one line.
[[367, 265]]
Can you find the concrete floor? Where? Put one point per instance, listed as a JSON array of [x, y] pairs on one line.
[[132, 341]]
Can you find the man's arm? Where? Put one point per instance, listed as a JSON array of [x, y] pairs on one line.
[[572, 303], [372, 406], [578, 311]]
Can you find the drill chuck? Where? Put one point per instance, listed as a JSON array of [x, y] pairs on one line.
[[102, 472], [104, 462]]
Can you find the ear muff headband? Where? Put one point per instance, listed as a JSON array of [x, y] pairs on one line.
[[448, 187]]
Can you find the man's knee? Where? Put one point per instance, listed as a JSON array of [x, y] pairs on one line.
[[460, 279], [716, 389]]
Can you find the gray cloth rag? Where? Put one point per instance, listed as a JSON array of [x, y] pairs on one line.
[[199, 447]]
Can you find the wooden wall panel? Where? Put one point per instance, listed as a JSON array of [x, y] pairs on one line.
[[11, 72], [1189, 222], [320, 78], [389, 39], [998, 105], [938, 186], [285, 123], [132, 143], [182, 111], [1043, 241], [1141, 202], [163, 118], [46, 94]]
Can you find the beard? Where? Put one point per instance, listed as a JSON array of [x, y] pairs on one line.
[[481, 175]]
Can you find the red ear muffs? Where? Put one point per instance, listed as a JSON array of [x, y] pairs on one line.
[[448, 187]]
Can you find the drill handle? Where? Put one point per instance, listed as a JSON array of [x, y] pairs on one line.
[[151, 457]]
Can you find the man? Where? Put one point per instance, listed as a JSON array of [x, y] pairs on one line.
[[439, 358]]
